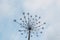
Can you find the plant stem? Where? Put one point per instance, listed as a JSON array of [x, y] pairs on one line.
[[29, 35]]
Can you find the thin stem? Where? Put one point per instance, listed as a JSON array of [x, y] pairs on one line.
[[35, 21], [40, 25], [19, 24], [29, 35], [25, 19]]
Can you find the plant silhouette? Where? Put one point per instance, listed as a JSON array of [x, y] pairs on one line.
[[30, 24]]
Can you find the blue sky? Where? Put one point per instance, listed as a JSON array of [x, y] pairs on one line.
[[49, 10]]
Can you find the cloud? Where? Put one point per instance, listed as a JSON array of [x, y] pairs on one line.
[[53, 33], [50, 12], [36, 4]]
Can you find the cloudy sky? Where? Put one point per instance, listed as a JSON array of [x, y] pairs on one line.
[[49, 10]]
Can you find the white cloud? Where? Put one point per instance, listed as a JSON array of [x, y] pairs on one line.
[[15, 36], [36, 4], [53, 31], [6, 9]]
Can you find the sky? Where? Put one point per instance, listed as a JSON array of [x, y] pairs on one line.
[[49, 10]]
